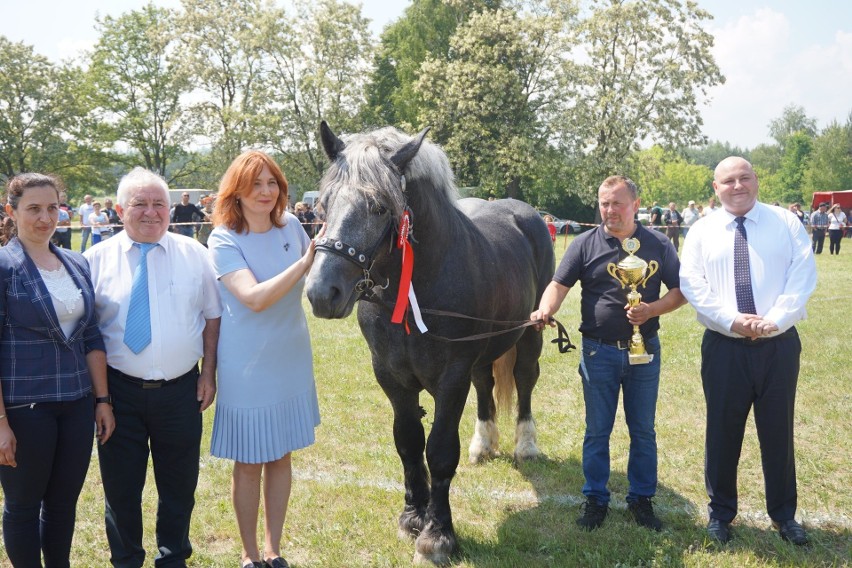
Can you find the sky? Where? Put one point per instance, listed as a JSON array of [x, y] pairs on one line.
[[773, 53]]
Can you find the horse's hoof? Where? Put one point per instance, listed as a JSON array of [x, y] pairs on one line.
[[485, 442], [435, 547], [434, 560], [477, 456], [526, 447], [526, 453]]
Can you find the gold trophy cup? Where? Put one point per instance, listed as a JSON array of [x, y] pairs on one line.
[[632, 271]]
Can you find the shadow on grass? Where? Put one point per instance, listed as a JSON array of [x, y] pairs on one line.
[[546, 534]]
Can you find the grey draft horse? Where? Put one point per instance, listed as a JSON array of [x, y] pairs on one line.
[[387, 196]]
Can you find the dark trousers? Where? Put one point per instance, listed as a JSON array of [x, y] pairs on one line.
[[818, 237], [739, 374], [834, 238], [167, 420], [62, 240], [673, 233], [54, 448]]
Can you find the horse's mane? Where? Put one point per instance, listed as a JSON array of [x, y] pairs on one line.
[[366, 165]]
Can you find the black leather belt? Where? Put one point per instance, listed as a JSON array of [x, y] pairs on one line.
[[152, 384], [619, 343]]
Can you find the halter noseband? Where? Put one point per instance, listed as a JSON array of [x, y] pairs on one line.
[[363, 260]]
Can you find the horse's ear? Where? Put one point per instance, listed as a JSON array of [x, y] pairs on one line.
[[402, 156], [332, 144]]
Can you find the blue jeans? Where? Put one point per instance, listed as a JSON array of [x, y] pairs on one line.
[[605, 371], [85, 233], [53, 453]]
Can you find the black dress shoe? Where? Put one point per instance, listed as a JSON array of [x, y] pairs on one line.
[[719, 531], [791, 531]]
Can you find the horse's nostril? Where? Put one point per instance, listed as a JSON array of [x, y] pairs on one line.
[[325, 300]]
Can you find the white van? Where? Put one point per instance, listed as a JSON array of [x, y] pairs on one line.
[[310, 198]]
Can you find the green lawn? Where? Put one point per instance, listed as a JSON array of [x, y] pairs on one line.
[[348, 487]]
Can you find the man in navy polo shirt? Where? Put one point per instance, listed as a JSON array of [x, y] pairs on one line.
[[607, 326]]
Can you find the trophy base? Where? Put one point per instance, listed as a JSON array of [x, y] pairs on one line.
[[640, 359]]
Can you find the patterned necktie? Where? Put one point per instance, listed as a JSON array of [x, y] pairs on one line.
[[137, 329], [742, 274]]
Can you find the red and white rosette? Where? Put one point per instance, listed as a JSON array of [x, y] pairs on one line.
[[405, 295]]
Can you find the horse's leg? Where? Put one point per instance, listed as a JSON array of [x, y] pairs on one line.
[[409, 438], [437, 542], [526, 376], [484, 443]]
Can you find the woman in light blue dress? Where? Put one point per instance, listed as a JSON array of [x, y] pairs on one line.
[[266, 405]]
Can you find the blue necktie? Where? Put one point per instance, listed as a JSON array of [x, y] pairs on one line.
[[742, 273], [137, 329]]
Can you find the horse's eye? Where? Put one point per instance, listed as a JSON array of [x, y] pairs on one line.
[[378, 209]]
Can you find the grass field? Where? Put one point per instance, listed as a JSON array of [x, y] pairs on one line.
[[348, 487]]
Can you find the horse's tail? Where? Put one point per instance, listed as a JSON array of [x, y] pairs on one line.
[[504, 380]]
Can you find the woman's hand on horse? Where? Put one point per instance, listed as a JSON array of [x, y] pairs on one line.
[[320, 233], [308, 258]]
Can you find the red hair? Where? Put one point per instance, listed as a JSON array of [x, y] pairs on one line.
[[238, 181]]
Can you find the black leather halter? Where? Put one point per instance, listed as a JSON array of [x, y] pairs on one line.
[[364, 260]]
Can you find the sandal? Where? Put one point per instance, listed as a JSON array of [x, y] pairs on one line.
[[250, 564], [276, 563]]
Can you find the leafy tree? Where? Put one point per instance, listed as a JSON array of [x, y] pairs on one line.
[[492, 101], [768, 157], [771, 188], [830, 165], [40, 115], [664, 176], [319, 65], [792, 120], [638, 72], [712, 153], [422, 32], [224, 47], [797, 152], [138, 84]]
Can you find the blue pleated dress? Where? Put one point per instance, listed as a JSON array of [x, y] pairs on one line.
[[266, 404]]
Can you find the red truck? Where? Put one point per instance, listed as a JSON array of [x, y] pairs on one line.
[[844, 198]]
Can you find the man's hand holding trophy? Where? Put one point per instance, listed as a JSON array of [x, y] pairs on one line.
[[632, 271]]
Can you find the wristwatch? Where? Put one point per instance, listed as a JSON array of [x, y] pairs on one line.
[[103, 400]]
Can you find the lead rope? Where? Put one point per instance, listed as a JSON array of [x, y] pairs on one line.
[[563, 341]]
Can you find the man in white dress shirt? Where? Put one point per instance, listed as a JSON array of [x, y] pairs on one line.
[[750, 351], [158, 392]]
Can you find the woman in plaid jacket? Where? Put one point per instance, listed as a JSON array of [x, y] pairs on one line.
[[52, 378]]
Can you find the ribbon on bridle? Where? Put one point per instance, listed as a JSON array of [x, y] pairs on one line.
[[405, 295]]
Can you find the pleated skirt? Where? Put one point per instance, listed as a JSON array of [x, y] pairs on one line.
[[266, 433]]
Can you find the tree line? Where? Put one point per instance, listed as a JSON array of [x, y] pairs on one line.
[[532, 99]]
